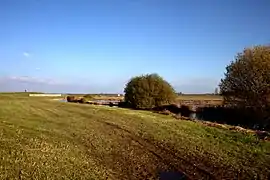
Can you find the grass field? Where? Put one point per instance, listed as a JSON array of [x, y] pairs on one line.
[[184, 97], [45, 139], [200, 97]]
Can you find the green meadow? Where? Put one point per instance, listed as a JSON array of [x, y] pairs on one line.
[[41, 138]]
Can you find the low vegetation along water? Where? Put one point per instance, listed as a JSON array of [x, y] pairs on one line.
[[44, 139]]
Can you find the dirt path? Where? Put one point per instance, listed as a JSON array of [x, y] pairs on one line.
[[143, 158]]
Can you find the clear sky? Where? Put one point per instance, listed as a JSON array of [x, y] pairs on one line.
[[98, 45]]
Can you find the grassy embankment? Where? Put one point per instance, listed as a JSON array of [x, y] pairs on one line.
[[45, 139]]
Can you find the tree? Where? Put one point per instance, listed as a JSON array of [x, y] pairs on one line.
[[148, 91], [247, 79], [179, 93]]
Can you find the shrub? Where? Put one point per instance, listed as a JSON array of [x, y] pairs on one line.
[[81, 100], [148, 91], [122, 104], [172, 108], [185, 111], [70, 98]]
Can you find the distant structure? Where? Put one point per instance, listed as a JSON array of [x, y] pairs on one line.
[[25, 90], [46, 95], [216, 91]]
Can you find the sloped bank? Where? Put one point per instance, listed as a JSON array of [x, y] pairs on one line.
[[182, 112]]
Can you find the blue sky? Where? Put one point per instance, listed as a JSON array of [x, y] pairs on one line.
[[98, 45]]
